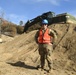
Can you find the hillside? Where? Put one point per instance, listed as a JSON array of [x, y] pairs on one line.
[[19, 56]]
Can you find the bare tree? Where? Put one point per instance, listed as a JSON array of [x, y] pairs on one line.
[[0, 26], [1, 18], [21, 23]]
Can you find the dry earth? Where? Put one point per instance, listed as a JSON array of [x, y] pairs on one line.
[[19, 55]]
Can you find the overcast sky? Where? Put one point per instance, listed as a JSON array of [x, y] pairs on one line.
[[17, 10]]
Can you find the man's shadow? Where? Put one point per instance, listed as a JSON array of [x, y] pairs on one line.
[[22, 64]]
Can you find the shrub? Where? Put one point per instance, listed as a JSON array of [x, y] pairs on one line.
[[20, 29]]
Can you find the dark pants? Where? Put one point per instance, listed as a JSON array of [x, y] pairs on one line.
[[45, 51]]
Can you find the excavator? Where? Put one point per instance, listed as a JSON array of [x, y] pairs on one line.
[[48, 15], [52, 18]]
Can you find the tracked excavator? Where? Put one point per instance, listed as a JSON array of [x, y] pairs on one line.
[[52, 18]]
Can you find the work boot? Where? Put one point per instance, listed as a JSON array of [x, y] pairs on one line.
[[49, 70], [38, 67]]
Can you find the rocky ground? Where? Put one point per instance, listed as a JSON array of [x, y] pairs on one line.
[[19, 55]]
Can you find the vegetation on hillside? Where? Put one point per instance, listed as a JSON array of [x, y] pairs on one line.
[[11, 29]]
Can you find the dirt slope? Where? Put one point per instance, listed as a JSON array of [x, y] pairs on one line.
[[19, 56]]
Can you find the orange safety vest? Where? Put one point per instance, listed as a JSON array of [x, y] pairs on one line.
[[44, 37]]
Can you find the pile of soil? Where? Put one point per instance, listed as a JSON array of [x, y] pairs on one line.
[[19, 56]]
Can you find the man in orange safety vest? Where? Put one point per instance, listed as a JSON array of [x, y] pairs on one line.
[[44, 39]]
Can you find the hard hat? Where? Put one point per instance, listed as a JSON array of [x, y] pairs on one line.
[[44, 21]]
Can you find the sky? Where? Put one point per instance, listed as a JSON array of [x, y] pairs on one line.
[[23, 10]]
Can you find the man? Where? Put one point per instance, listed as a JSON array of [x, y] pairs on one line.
[[44, 38]]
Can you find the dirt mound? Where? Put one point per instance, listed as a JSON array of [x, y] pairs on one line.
[[20, 55]]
